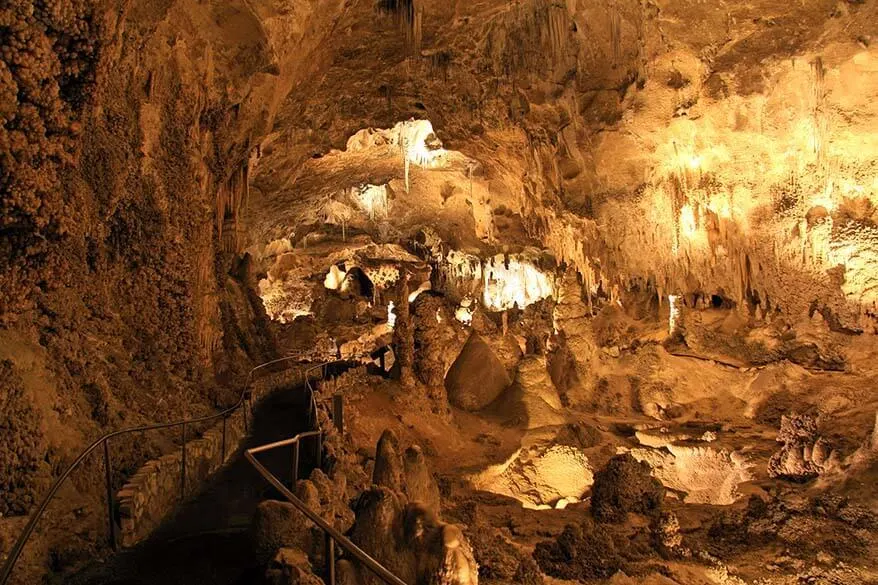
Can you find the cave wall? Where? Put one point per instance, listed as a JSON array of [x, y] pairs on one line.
[[128, 131]]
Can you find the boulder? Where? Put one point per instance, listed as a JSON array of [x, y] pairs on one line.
[[625, 485], [278, 525], [477, 377], [291, 567]]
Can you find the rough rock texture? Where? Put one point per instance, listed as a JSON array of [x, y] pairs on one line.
[[20, 450], [438, 339], [412, 542], [625, 485], [546, 469], [477, 376], [405, 473], [278, 525], [500, 561], [291, 567], [534, 396], [583, 551], [332, 497], [389, 471], [420, 485], [705, 475], [804, 454]]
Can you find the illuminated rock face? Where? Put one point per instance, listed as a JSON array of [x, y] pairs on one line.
[[707, 476], [540, 475], [477, 377], [500, 282]]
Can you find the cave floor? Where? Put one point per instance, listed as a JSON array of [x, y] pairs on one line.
[[206, 541]]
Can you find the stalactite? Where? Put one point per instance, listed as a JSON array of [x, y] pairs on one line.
[[409, 15], [231, 197]]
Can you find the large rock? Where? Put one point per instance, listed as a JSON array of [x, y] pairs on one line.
[[291, 567], [535, 397], [546, 469], [278, 525], [804, 454], [477, 376], [625, 485], [331, 492]]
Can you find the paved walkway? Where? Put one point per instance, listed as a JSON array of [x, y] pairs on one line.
[[206, 541]]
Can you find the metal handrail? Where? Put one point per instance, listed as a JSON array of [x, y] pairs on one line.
[[332, 535], [243, 399]]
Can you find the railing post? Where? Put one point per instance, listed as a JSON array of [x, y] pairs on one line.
[[244, 408], [223, 456], [183, 466], [338, 412], [330, 559], [111, 513], [295, 464], [319, 450]]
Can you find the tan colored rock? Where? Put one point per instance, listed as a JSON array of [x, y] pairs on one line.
[[477, 376]]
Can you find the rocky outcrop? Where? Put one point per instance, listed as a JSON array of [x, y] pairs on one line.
[[411, 542], [804, 454], [625, 485], [405, 474], [533, 395], [291, 567], [277, 525]]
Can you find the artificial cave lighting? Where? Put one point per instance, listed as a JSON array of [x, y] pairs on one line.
[[619, 325], [420, 144], [503, 281]]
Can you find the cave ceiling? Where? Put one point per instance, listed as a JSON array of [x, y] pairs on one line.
[[733, 142]]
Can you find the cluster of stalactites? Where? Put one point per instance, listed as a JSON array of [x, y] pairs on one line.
[[408, 15], [231, 197], [502, 282]]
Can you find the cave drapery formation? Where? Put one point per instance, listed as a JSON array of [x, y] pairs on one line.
[[616, 259]]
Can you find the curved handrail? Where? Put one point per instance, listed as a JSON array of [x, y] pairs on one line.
[[368, 561], [17, 548], [332, 534]]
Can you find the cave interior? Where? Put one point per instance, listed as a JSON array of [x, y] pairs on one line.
[[574, 291]]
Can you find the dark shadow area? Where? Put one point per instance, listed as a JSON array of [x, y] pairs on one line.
[[206, 541]]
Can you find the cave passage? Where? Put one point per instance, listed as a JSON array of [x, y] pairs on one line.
[[206, 540]]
